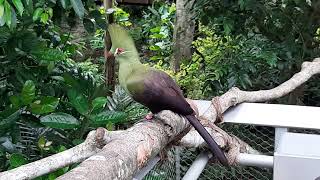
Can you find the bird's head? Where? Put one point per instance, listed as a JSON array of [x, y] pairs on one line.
[[123, 47]]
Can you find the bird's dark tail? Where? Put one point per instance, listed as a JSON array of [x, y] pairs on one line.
[[213, 146]]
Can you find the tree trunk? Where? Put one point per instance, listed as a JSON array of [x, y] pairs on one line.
[[109, 60], [183, 33]]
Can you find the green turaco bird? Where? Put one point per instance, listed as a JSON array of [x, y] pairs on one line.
[[153, 88]]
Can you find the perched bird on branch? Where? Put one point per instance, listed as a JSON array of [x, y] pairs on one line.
[[153, 88]]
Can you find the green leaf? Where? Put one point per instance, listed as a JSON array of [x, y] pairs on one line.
[[63, 3], [44, 18], [77, 141], [154, 48], [1, 10], [50, 67], [241, 3], [13, 19], [41, 141], [8, 117], [58, 78], [2, 21], [70, 80], [108, 116], [227, 27], [60, 120], [89, 25], [48, 55], [16, 101], [99, 103], [44, 105], [28, 92], [29, 6], [7, 13], [4, 35], [101, 23], [17, 160], [155, 30], [270, 57], [78, 101], [50, 12], [1, 1], [18, 4], [78, 7], [37, 14]]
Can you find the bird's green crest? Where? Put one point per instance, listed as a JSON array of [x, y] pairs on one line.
[[121, 39]]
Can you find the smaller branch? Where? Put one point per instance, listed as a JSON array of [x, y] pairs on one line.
[[235, 96], [95, 140]]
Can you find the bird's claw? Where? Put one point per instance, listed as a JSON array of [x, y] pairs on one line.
[[149, 116]]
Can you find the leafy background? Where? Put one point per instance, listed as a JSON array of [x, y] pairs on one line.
[[52, 82]]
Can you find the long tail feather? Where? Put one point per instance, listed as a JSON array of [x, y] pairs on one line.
[[213, 146]]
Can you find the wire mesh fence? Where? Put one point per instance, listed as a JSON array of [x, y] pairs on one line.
[[177, 164]]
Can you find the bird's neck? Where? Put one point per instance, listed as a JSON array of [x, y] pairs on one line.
[[127, 68]]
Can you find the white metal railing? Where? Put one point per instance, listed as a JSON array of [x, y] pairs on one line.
[[282, 118]]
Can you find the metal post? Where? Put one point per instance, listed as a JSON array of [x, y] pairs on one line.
[[177, 163], [197, 166], [278, 134], [243, 159], [255, 160], [145, 170]]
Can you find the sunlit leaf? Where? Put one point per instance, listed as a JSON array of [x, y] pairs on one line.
[[18, 4], [108, 116], [60, 120], [44, 18], [7, 13], [17, 160], [48, 55], [50, 12], [98, 103], [37, 13], [44, 105], [78, 101], [28, 92], [78, 7], [1, 10]]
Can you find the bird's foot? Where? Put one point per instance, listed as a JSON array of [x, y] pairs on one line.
[[149, 116]]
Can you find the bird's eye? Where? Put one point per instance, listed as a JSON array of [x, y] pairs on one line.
[[120, 50]]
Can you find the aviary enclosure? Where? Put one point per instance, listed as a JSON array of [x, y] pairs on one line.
[[63, 114]]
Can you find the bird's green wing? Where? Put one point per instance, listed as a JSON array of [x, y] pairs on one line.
[[121, 39]]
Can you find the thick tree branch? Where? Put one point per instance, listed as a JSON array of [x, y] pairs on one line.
[[127, 151]]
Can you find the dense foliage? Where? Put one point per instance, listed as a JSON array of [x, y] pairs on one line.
[[50, 98], [49, 101]]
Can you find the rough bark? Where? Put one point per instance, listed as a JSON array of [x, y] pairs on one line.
[[91, 146], [128, 151], [183, 33]]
